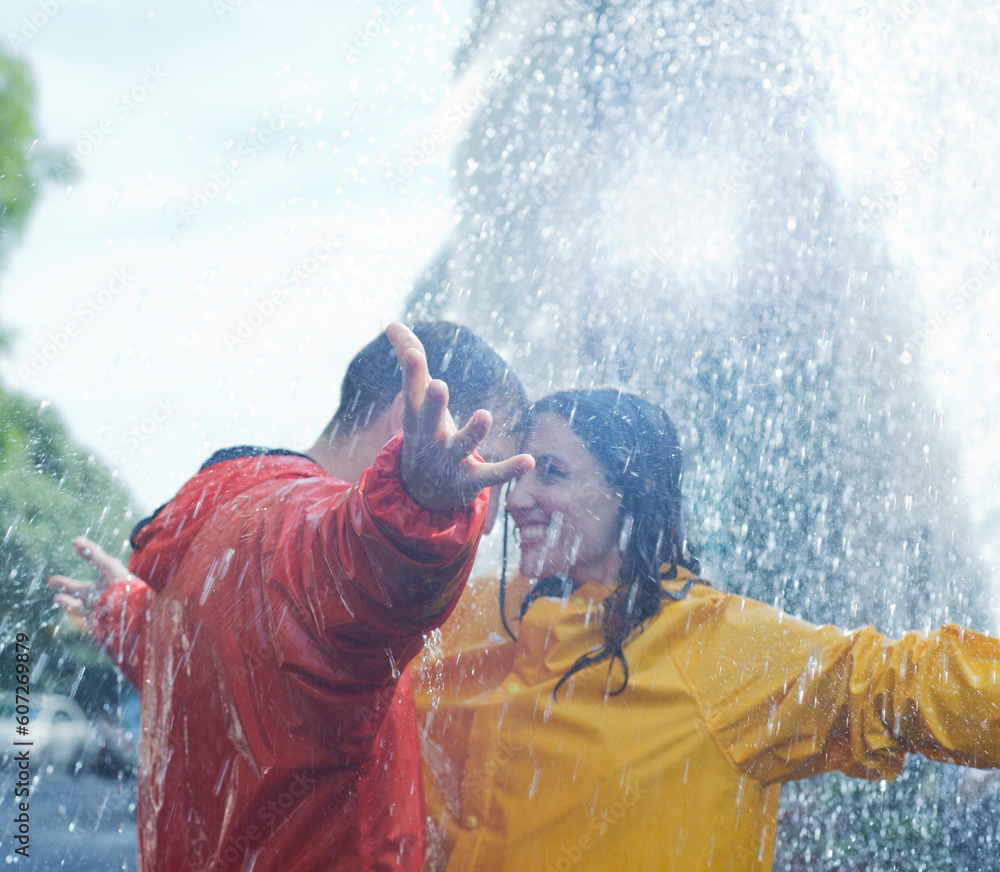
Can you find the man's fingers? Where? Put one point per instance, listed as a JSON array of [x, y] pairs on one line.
[[416, 380], [484, 475], [70, 585], [108, 568], [70, 605], [471, 436], [435, 465], [92, 553], [434, 411], [86, 549], [413, 362], [74, 612], [402, 339]]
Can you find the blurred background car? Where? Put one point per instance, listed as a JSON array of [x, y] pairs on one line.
[[113, 744], [57, 729]]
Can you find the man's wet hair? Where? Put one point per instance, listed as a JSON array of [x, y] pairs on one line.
[[477, 377]]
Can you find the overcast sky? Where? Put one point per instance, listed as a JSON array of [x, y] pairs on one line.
[[229, 240]]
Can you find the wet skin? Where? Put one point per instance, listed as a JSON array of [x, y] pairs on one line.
[[564, 510]]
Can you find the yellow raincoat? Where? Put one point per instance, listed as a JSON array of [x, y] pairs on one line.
[[727, 698]]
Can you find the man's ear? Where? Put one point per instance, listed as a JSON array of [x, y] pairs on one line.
[[396, 414]]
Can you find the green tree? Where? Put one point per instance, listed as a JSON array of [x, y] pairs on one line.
[[19, 173], [51, 489]]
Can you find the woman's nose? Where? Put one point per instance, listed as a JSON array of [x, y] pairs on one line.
[[520, 494]]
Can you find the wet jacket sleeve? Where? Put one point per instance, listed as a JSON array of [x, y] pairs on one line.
[[372, 572], [786, 699], [119, 626]]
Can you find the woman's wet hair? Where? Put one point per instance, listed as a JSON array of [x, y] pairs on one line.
[[640, 456]]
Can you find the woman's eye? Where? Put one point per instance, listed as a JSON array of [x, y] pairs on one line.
[[551, 471]]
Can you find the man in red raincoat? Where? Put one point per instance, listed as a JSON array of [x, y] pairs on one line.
[[272, 607]]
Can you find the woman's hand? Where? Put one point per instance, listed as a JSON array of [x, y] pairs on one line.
[[78, 598], [436, 462]]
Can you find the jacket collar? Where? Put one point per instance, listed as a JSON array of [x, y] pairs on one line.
[[162, 540]]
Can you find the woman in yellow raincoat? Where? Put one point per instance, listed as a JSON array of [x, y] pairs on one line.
[[621, 713]]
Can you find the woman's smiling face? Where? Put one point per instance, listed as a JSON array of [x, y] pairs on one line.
[[564, 509]]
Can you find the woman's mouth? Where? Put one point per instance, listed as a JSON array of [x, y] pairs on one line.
[[533, 534]]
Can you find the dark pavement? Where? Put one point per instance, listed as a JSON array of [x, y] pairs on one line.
[[83, 823]]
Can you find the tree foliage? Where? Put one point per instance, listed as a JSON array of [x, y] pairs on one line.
[[51, 489], [18, 178]]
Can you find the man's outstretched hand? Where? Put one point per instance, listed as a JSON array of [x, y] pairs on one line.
[[436, 462], [77, 598]]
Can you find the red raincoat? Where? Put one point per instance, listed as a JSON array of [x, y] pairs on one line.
[[281, 608]]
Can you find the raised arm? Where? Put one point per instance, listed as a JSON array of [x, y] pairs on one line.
[[436, 462], [386, 562], [114, 609]]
